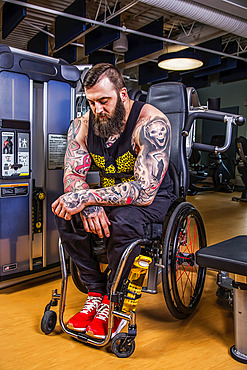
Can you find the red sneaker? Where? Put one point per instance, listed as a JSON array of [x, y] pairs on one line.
[[81, 320], [98, 328]]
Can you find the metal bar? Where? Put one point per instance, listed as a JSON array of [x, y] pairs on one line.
[[63, 285], [31, 118], [44, 204], [80, 336], [123, 260], [38, 28], [128, 6], [123, 29], [31, 54], [72, 103]]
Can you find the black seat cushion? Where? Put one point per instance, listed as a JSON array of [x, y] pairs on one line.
[[229, 255]]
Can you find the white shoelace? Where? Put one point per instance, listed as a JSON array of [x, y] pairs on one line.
[[103, 312], [91, 304]]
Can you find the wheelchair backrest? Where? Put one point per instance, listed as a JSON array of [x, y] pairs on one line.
[[171, 99]]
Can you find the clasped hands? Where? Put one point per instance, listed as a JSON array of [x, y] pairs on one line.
[[93, 217]]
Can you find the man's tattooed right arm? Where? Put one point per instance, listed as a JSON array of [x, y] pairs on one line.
[[77, 160], [77, 163]]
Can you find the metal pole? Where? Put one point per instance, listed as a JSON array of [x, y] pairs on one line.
[[31, 118], [44, 204]]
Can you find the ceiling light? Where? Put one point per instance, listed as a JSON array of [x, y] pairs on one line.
[[121, 45], [180, 61]]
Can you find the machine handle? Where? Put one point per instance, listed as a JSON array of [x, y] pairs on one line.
[[230, 119], [240, 121], [203, 147], [211, 115]]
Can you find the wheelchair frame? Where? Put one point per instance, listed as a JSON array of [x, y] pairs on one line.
[[123, 344], [163, 242]]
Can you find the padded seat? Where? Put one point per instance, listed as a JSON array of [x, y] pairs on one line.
[[229, 255]]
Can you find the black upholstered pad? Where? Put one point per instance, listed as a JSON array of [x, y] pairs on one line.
[[230, 255]]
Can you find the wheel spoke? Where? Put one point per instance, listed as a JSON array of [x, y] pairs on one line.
[[189, 275], [194, 241], [185, 275], [184, 242]]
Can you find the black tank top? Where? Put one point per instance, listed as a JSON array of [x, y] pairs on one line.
[[116, 163]]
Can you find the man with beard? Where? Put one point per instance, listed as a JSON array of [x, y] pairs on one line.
[[130, 143]]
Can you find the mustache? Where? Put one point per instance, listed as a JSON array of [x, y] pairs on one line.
[[101, 115]]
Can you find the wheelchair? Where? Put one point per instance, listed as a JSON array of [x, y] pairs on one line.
[[171, 245]]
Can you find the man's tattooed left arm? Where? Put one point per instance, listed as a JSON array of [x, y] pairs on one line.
[[91, 211], [154, 140]]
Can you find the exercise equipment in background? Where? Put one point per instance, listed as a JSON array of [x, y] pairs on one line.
[[37, 100], [241, 147], [230, 255], [216, 167], [137, 94]]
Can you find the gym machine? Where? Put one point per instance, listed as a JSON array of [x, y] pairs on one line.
[[37, 103]]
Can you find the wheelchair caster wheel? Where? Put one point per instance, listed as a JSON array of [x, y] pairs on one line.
[[121, 347], [48, 322]]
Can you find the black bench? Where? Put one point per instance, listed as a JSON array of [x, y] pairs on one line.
[[231, 256]]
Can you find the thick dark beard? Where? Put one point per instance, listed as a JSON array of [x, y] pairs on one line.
[[111, 124]]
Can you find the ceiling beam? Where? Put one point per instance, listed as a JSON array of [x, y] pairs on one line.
[[124, 29]]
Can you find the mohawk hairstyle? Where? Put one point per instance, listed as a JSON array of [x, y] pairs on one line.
[[101, 70]]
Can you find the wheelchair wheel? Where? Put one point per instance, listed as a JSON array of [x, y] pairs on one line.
[[121, 347], [182, 278], [76, 277], [48, 322]]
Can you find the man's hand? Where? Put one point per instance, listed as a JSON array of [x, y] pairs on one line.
[[69, 204], [95, 221]]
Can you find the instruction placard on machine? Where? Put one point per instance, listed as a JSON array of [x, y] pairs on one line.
[[57, 145], [15, 154], [8, 153], [23, 153]]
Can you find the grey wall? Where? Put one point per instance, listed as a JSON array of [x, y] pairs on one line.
[[231, 94]]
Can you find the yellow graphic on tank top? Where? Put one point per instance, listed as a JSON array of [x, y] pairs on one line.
[[98, 160], [107, 181], [110, 169], [125, 163], [127, 179]]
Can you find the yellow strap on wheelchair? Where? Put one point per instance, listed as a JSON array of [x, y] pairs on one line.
[[135, 282]]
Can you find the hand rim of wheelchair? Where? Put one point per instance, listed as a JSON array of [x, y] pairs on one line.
[[172, 260]]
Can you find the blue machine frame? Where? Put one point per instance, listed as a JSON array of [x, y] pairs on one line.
[[38, 91]]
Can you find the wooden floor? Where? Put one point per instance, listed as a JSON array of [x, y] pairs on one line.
[[201, 341]]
